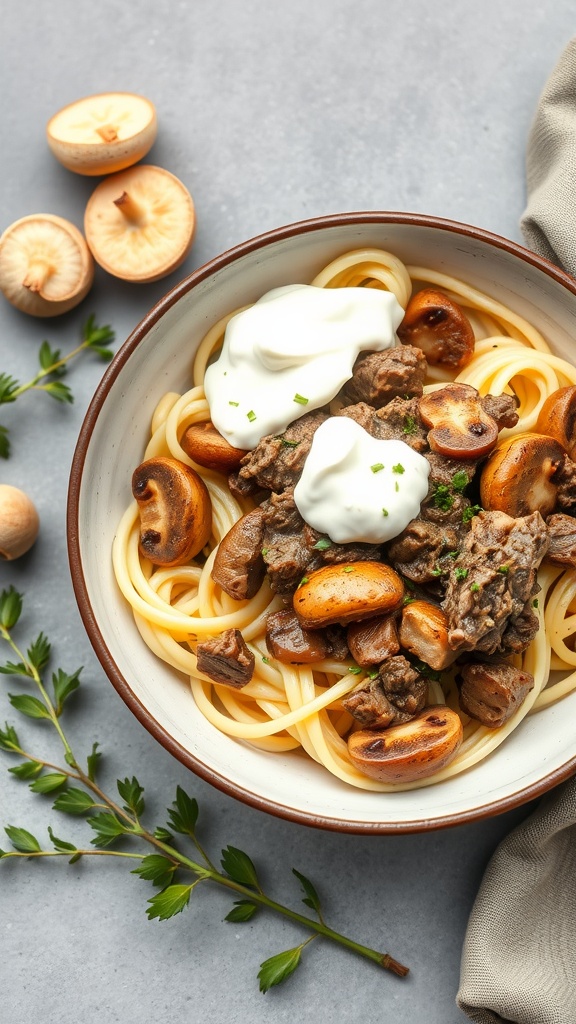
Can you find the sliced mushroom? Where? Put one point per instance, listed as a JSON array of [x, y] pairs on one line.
[[287, 641], [175, 511], [437, 325], [239, 567], [203, 443], [348, 592], [460, 426], [411, 751], [104, 133], [518, 478], [424, 632], [373, 641], [557, 418]]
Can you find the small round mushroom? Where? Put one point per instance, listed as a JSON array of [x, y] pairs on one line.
[[411, 751], [439, 327], [103, 133], [175, 511], [45, 265], [348, 592], [460, 427], [140, 223], [19, 522], [206, 446], [557, 418], [518, 478]]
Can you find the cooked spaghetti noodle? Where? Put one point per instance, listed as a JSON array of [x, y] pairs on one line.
[[288, 707]]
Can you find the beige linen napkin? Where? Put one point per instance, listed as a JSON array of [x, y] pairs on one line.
[[519, 956]]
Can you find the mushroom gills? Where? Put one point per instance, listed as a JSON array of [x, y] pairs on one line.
[[175, 511]]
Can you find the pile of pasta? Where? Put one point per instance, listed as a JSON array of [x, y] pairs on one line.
[[298, 707]]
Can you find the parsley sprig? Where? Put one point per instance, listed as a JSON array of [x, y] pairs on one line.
[[53, 366], [116, 819]]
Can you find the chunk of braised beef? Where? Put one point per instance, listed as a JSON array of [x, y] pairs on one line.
[[380, 376], [493, 579], [226, 659], [456, 474], [565, 479], [238, 566], [372, 641], [421, 552], [521, 630], [501, 408], [245, 488], [394, 696], [561, 539], [277, 461], [400, 420], [362, 414], [491, 692], [287, 641]]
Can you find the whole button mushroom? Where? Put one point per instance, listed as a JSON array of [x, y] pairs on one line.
[[140, 223], [175, 511], [103, 133], [45, 265], [206, 446], [347, 593], [518, 478], [411, 751], [439, 327], [557, 418], [19, 522]]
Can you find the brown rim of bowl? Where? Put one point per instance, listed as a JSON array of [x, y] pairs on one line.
[[108, 664]]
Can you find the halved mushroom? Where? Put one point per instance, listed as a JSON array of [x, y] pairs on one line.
[[461, 428], [103, 133], [348, 592], [439, 327], [411, 751], [373, 641], [518, 478], [175, 511], [239, 567], [206, 446], [287, 641], [424, 632], [557, 418]]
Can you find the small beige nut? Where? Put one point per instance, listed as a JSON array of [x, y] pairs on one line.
[[19, 522], [411, 751], [347, 593]]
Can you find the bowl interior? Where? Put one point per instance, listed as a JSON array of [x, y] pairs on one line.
[[158, 358]]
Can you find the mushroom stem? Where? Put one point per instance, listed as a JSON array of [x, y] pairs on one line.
[[129, 208], [107, 133], [38, 273]]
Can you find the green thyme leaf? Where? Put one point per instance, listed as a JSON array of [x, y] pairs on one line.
[[48, 356], [96, 336], [11, 668], [4, 443], [183, 814], [8, 385], [131, 792], [22, 840], [28, 705], [61, 844], [9, 739], [107, 827], [92, 762], [26, 770], [64, 685], [156, 869], [163, 835], [73, 801], [61, 392], [169, 902], [10, 607], [239, 867], [242, 911], [49, 782], [38, 653], [277, 968], [311, 897]]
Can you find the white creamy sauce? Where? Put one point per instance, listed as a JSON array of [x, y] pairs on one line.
[[291, 352], [355, 487]]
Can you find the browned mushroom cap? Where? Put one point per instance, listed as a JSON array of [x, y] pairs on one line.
[[239, 567], [424, 632], [411, 751], [460, 426], [557, 418], [206, 446], [519, 476], [373, 641], [347, 593], [438, 326], [288, 642], [175, 511]]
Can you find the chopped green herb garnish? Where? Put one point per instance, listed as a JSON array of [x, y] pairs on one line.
[[251, 415], [460, 480], [425, 670], [470, 512], [264, 552], [348, 568], [373, 673], [398, 468], [535, 603], [303, 581], [453, 554], [409, 425], [442, 498], [265, 659], [377, 467], [474, 587], [503, 569], [437, 571], [385, 512], [460, 573], [323, 544], [300, 399], [286, 443], [407, 599], [234, 403], [396, 485], [355, 670]]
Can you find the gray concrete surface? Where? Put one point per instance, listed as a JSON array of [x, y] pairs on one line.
[[270, 113]]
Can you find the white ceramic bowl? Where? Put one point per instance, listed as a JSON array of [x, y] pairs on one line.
[[156, 358]]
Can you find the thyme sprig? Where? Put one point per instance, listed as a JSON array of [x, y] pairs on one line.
[[53, 366], [116, 819]]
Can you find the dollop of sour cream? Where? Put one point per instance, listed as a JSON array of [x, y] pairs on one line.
[[355, 487], [291, 352]]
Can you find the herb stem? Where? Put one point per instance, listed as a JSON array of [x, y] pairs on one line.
[[33, 383], [72, 853]]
